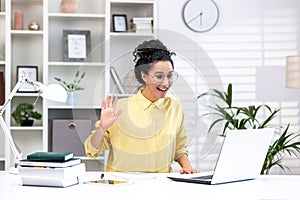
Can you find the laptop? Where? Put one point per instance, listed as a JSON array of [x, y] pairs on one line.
[[241, 158]]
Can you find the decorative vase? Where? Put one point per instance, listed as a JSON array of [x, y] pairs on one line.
[[71, 99], [68, 6], [33, 26], [18, 20]]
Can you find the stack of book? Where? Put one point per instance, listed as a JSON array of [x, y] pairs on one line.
[[142, 24], [56, 169]]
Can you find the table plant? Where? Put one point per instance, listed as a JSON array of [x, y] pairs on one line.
[[72, 86], [25, 115], [230, 116]]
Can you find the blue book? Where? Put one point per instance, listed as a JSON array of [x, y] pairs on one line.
[[50, 156]]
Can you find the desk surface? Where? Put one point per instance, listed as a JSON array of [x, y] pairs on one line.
[[154, 186]]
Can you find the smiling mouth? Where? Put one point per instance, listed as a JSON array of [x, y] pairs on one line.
[[162, 90]]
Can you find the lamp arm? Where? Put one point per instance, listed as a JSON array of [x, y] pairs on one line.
[[10, 96], [15, 148]]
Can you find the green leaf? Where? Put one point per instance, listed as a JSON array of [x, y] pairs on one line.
[[229, 95], [237, 117]]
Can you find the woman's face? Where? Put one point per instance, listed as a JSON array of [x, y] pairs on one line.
[[158, 80]]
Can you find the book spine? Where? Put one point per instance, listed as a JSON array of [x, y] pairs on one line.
[[52, 182], [49, 164], [50, 156]]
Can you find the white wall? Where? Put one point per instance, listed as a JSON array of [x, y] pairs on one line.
[[247, 47]]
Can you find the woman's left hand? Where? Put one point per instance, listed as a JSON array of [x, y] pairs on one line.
[[188, 170]]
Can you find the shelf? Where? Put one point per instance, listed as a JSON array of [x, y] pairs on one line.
[[73, 107], [22, 128], [131, 2], [2, 62], [76, 63], [26, 32], [27, 1], [29, 94], [2, 14], [75, 15], [131, 34]]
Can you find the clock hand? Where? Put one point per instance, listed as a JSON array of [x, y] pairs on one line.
[[194, 18], [201, 13]]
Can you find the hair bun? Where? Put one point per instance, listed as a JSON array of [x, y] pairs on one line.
[[151, 54]]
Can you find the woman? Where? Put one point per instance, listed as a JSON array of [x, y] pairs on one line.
[[145, 132]]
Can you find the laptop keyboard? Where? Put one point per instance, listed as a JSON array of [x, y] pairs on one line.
[[203, 177]]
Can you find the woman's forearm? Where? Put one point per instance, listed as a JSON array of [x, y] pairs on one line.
[[96, 138], [186, 165], [183, 161]]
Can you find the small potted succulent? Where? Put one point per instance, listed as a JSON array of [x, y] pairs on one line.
[[24, 114]]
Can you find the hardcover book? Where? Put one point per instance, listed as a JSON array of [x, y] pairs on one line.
[[68, 163], [50, 156], [53, 172], [51, 182]]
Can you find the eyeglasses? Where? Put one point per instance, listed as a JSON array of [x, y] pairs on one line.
[[160, 77]]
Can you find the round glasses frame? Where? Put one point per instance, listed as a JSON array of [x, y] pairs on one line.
[[159, 77]]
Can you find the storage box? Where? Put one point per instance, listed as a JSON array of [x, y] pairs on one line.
[[70, 134]]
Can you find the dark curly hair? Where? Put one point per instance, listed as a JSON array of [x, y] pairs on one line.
[[147, 54]]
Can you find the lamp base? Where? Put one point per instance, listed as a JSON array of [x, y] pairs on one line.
[[14, 170]]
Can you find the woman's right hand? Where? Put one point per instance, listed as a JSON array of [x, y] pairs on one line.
[[108, 112]]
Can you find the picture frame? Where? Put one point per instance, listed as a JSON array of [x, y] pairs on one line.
[[117, 80], [76, 45], [119, 23], [32, 72]]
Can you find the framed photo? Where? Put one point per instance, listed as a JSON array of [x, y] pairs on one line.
[[32, 73], [119, 23], [76, 45], [117, 80]]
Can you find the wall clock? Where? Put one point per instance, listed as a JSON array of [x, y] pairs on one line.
[[200, 15]]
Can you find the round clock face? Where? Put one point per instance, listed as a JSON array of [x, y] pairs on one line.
[[200, 15]]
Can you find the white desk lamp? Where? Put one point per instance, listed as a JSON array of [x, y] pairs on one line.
[[52, 92]]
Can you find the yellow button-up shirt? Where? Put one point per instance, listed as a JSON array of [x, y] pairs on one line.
[[147, 136]]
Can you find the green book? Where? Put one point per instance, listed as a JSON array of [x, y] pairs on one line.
[[50, 156]]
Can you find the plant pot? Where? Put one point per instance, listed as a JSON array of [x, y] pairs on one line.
[[28, 122]]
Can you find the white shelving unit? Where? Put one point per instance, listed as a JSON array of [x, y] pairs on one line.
[[120, 54], [44, 48], [23, 48], [2, 69]]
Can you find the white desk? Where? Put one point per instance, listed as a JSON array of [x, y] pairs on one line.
[[154, 186]]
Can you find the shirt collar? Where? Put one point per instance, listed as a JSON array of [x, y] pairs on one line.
[[146, 103]]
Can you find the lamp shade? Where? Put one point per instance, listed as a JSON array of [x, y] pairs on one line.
[[54, 92], [293, 71]]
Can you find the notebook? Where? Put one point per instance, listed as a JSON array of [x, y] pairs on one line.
[[241, 158]]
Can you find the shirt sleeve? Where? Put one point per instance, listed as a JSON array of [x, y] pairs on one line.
[[90, 150], [181, 137]]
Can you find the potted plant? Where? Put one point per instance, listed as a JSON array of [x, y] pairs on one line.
[[73, 86], [24, 114], [241, 117]]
